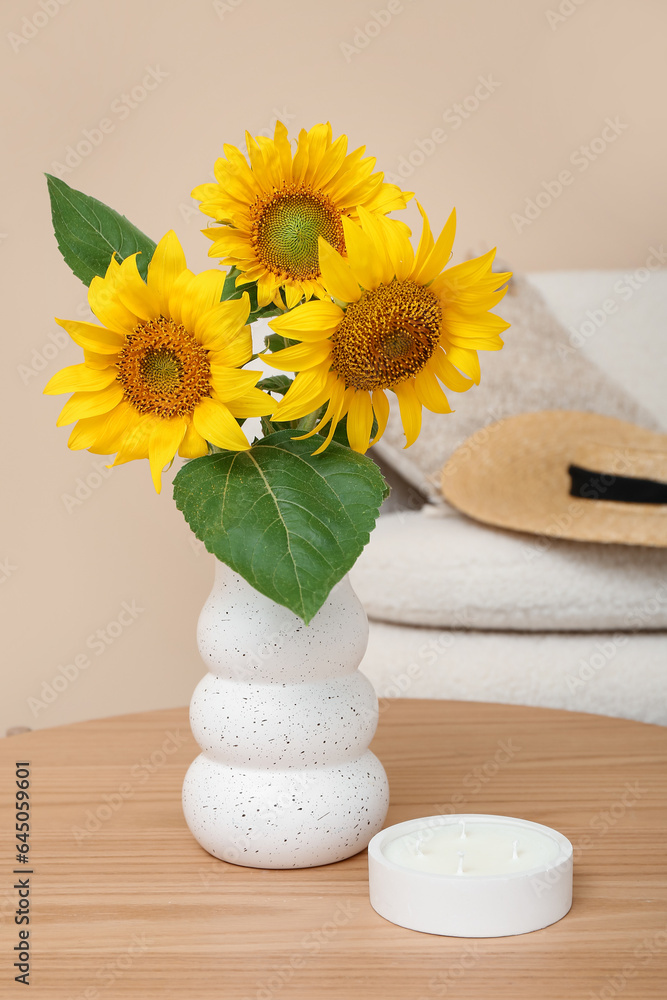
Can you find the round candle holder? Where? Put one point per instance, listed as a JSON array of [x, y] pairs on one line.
[[470, 875]]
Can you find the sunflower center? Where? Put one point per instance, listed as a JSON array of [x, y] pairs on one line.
[[285, 229], [387, 336], [163, 369]]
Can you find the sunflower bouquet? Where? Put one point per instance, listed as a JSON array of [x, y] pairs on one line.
[[358, 315]]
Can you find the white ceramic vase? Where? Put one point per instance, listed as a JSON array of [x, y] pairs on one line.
[[284, 719]]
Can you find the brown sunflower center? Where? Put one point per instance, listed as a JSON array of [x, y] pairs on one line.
[[387, 336], [163, 369], [285, 228]]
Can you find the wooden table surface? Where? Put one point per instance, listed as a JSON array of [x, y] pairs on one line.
[[126, 904]]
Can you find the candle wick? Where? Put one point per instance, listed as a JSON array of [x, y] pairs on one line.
[[461, 854], [463, 829], [515, 850]]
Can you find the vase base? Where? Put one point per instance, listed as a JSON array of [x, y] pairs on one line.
[[296, 818]]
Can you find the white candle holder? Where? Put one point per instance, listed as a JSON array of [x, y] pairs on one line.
[[470, 875]]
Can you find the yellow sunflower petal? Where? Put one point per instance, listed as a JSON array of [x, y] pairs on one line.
[[330, 163], [90, 404], [381, 411], [236, 352], [360, 421], [319, 138], [199, 295], [375, 232], [100, 361], [293, 294], [215, 423], [164, 443], [337, 416], [448, 374], [426, 242], [439, 255], [105, 303], [411, 410], [85, 432], [166, 264], [228, 383], [133, 291], [476, 343], [193, 444], [299, 357], [284, 151], [135, 440], [466, 360], [176, 294], [93, 338], [429, 392], [309, 390], [79, 378], [336, 274], [217, 327], [364, 262], [117, 429], [253, 403], [310, 322], [399, 248]]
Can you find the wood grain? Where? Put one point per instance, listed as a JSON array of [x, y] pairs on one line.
[[135, 908]]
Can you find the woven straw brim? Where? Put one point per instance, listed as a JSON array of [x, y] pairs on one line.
[[514, 474]]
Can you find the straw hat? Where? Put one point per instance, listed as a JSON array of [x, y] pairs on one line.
[[565, 474]]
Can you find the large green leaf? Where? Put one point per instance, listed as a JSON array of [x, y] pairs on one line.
[[291, 523], [89, 232]]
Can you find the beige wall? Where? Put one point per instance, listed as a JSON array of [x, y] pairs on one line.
[[553, 81]]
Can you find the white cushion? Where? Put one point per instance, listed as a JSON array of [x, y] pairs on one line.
[[608, 674], [436, 567]]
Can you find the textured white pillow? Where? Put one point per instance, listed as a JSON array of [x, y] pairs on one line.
[[436, 567]]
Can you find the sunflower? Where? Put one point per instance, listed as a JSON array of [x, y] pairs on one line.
[[275, 208], [398, 322], [161, 374]]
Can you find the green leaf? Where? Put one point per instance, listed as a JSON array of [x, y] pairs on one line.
[[290, 522], [275, 383], [89, 232]]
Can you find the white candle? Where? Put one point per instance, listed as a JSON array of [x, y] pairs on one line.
[[470, 876], [488, 849]]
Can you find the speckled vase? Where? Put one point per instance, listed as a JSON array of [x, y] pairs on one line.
[[284, 719]]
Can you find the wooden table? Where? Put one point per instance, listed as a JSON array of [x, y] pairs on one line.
[[126, 904]]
